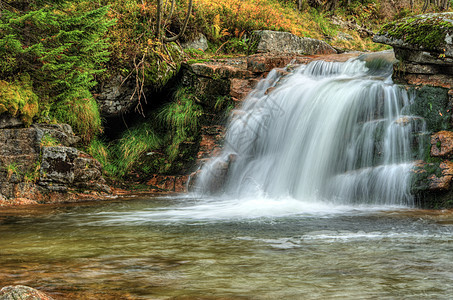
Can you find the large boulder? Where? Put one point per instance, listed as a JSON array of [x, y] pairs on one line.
[[63, 168], [22, 292], [285, 42], [431, 33]]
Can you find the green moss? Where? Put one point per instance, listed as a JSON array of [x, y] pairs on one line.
[[18, 99], [161, 64], [420, 176], [431, 103], [427, 31]]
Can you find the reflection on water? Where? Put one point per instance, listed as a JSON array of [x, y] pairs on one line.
[[181, 248]]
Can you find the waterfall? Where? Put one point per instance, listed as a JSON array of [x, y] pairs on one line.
[[328, 131]]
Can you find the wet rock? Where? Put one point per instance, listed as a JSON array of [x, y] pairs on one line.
[[432, 183], [432, 104], [212, 178], [442, 144], [240, 88], [199, 43], [169, 183], [211, 141], [21, 292], [442, 182], [277, 41]]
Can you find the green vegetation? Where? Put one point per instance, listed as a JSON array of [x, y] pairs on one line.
[[61, 47], [181, 117], [12, 169], [17, 99], [119, 158], [48, 141], [159, 145], [32, 175]]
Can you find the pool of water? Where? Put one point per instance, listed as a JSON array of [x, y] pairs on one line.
[[188, 248]]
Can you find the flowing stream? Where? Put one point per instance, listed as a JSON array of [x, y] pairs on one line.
[[315, 204], [189, 248]]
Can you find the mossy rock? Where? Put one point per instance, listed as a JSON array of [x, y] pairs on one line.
[[430, 32], [162, 64], [432, 104]]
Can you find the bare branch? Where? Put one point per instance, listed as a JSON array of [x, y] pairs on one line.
[[186, 21]]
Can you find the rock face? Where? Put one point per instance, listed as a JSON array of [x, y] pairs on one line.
[[121, 93], [21, 292], [117, 96], [38, 164], [63, 168], [442, 144], [423, 46], [285, 42]]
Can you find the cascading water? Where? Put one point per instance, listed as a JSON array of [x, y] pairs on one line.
[[328, 132]]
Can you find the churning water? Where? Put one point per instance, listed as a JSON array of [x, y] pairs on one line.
[[328, 132]]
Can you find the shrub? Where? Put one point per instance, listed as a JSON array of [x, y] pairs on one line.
[[18, 99]]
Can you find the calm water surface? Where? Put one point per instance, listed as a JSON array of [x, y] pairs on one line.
[[186, 248]]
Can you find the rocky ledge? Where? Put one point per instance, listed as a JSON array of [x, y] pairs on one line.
[[40, 165], [424, 47]]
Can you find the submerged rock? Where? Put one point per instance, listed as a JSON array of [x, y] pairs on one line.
[[22, 292]]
